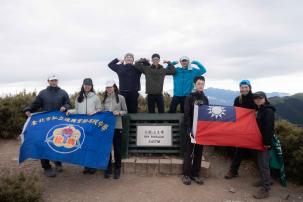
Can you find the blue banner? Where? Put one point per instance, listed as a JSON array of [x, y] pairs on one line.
[[77, 139]]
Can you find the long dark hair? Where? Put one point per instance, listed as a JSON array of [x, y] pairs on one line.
[[82, 93], [116, 91]]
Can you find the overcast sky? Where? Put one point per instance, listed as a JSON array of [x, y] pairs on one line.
[[257, 40]]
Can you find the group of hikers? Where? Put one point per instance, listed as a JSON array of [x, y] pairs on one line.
[[188, 91]]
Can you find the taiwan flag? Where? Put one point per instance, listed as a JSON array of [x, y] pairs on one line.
[[226, 126]]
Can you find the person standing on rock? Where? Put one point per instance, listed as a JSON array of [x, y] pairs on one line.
[[154, 74], [183, 81], [87, 103], [114, 102], [193, 152], [266, 124], [245, 100], [50, 99], [129, 80]]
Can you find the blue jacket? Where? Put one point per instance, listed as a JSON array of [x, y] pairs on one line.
[[129, 77], [184, 78]]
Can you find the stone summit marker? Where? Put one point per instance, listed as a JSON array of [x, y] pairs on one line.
[[156, 136]]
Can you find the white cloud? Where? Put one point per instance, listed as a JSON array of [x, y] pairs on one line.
[[254, 40]]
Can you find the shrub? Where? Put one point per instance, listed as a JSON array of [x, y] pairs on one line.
[[291, 137], [20, 188], [12, 117]]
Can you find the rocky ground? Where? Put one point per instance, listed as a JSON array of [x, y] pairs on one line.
[[72, 185]]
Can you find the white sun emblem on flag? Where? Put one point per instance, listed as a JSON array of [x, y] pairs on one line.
[[216, 111]]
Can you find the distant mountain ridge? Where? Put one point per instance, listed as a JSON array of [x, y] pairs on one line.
[[289, 107], [226, 97], [219, 96]]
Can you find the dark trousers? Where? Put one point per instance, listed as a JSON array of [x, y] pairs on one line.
[[46, 163], [192, 158], [117, 141], [152, 100], [131, 99], [176, 100], [263, 163], [238, 157]]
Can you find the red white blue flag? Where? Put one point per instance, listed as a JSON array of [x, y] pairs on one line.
[[226, 126]]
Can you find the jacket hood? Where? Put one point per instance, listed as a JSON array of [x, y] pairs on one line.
[[268, 106], [113, 94], [249, 94], [53, 88], [198, 93], [90, 94], [154, 66], [129, 65]]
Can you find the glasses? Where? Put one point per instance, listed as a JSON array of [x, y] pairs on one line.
[[155, 59]]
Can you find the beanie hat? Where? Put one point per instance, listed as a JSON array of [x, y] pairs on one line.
[[129, 55], [155, 55], [245, 82]]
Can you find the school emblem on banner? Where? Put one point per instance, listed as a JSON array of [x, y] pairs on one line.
[[65, 138]]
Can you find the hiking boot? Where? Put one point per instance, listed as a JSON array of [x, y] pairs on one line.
[[85, 171], [107, 174], [186, 180], [259, 183], [89, 171], [198, 180], [92, 171], [261, 194], [50, 172], [230, 175], [117, 174], [58, 168]]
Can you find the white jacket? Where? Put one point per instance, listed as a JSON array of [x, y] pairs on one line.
[[90, 104]]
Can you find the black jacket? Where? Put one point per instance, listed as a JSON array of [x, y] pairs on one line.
[[266, 123], [190, 101], [50, 99], [129, 77], [246, 101]]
